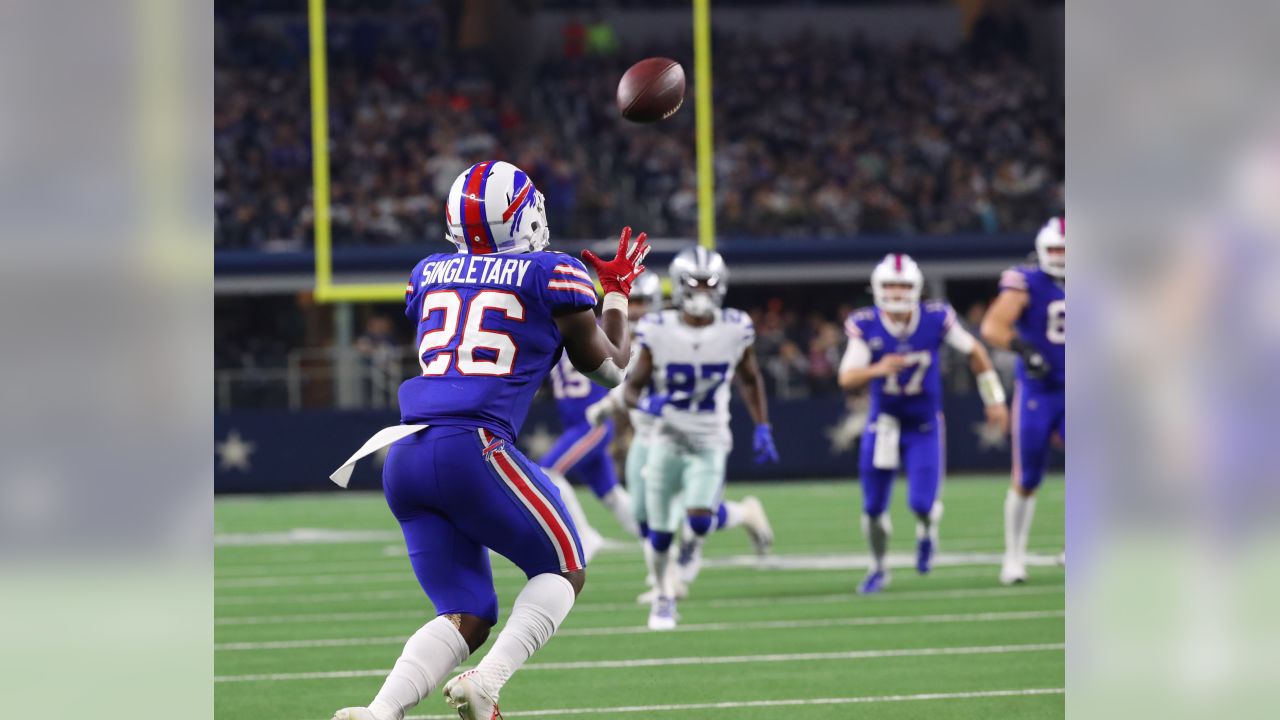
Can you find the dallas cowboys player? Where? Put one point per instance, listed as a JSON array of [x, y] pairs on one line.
[[1029, 316], [688, 357], [894, 348], [492, 319]]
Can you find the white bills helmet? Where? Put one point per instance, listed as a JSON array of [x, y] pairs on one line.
[[1053, 236], [896, 283], [699, 281], [493, 207]]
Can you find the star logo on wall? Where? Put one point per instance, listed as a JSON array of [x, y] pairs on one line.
[[989, 437], [537, 443], [234, 452]]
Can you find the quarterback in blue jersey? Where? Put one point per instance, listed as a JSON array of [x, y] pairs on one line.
[[893, 347], [1029, 316], [492, 320]]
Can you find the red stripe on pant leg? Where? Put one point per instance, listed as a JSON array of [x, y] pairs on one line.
[[548, 514], [578, 449], [1017, 433]]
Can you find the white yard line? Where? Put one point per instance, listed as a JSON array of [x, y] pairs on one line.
[[689, 628], [590, 607], [730, 705], [802, 563], [677, 661]]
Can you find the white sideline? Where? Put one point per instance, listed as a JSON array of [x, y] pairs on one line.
[[674, 661], [693, 627], [587, 607], [768, 703]]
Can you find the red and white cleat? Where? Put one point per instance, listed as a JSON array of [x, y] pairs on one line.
[[467, 694]]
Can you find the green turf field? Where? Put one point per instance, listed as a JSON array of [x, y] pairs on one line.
[[315, 597]]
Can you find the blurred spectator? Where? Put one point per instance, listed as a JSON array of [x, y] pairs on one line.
[[789, 372], [918, 140]]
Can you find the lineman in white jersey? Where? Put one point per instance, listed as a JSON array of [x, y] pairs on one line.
[[688, 356]]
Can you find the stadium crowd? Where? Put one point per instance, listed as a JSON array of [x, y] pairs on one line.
[[815, 137]]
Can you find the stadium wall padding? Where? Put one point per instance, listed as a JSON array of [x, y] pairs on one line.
[[272, 451]]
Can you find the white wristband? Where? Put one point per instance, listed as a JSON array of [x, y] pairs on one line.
[[607, 375], [615, 301], [990, 389]]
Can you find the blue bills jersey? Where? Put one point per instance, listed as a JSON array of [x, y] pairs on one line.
[[914, 395], [487, 335], [573, 393], [1043, 323]]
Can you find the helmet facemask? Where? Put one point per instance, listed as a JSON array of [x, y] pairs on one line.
[[701, 297], [897, 296]]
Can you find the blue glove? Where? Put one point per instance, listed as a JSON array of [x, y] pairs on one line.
[[653, 403], [763, 445]]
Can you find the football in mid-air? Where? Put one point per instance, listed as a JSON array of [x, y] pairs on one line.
[[651, 90]]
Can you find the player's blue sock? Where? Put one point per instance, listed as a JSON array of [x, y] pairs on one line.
[[661, 541], [700, 524], [722, 516]]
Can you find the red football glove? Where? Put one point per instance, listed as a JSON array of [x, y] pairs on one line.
[[616, 275]]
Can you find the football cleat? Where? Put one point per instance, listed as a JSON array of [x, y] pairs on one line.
[[924, 555], [1012, 571], [757, 524], [354, 713], [662, 615], [466, 694], [874, 582]]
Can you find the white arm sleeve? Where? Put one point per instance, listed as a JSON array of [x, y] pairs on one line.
[[856, 355], [960, 339]]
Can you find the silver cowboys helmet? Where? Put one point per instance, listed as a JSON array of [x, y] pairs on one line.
[[699, 281]]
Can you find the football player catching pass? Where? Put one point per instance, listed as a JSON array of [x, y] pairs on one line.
[[688, 356], [894, 348], [1029, 317], [492, 320]]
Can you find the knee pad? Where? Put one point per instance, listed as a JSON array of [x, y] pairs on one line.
[[661, 541], [701, 524]]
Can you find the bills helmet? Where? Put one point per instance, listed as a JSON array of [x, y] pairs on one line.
[[493, 207], [896, 283], [1051, 247], [699, 281]]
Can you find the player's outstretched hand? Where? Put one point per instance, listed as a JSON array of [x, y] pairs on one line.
[[653, 403], [891, 364], [616, 275], [998, 417], [601, 410], [763, 445]]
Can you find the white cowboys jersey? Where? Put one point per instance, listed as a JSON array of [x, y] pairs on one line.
[[695, 367]]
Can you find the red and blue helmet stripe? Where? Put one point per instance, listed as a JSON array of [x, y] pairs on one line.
[[474, 220]]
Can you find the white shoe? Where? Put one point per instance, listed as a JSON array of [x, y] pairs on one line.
[[1012, 571], [466, 694], [756, 522], [662, 615], [354, 713]]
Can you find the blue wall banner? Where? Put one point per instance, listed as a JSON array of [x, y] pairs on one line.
[[282, 451]]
